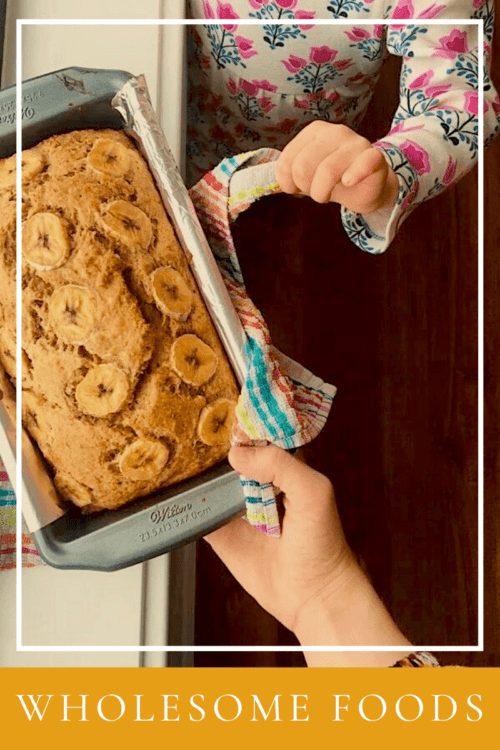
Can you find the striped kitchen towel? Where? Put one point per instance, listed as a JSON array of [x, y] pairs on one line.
[[281, 402], [8, 529]]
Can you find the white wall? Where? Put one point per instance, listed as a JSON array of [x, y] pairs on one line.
[[71, 608]]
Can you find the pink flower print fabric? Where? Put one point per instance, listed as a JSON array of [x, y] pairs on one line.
[[452, 44], [471, 103], [449, 174], [416, 156], [439, 103], [407, 9], [245, 47], [258, 86], [315, 76], [251, 98]]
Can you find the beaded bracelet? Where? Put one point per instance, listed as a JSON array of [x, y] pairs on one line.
[[418, 659]]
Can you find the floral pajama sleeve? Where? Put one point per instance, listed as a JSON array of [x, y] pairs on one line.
[[255, 86]]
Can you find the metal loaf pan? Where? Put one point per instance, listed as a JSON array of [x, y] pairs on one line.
[[68, 100]]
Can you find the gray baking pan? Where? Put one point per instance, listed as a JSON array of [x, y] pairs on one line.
[[57, 103]]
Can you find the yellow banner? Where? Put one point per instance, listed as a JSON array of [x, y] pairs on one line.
[[250, 708]]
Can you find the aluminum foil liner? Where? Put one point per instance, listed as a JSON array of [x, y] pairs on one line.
[[43, 505], [134, 104]]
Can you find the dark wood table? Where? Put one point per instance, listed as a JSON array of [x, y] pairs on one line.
[[397, 334]]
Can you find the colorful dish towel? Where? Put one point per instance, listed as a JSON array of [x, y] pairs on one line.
[[281, 402], [8, 529]]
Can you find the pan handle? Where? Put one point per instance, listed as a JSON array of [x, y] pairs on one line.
[[55, 102]]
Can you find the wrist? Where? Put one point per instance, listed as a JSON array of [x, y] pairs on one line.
[[391, 190], [351, 615]]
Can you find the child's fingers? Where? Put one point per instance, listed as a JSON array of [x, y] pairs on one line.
[[367, 163], [313, 132], [307, 163], [329, 173], [287, 158]]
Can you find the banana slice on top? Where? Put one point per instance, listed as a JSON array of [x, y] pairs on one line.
[[72, 313], [216, 422], [193, 360], [143, 459], [171, 293], [128, 224], [104, 390], [31, 166], [45, 241], [109, 158]]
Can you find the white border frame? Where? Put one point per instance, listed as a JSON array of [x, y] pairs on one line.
[[479, 23]]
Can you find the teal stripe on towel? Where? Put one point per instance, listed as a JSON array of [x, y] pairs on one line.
[[266, 395]]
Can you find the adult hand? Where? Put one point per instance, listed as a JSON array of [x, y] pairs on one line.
[[308, 578]]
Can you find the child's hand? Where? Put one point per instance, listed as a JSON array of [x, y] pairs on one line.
[[333, 163]]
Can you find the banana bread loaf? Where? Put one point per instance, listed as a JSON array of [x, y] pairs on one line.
[[126, 387]]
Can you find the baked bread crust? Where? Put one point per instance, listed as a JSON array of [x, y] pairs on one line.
[[112, 406]]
